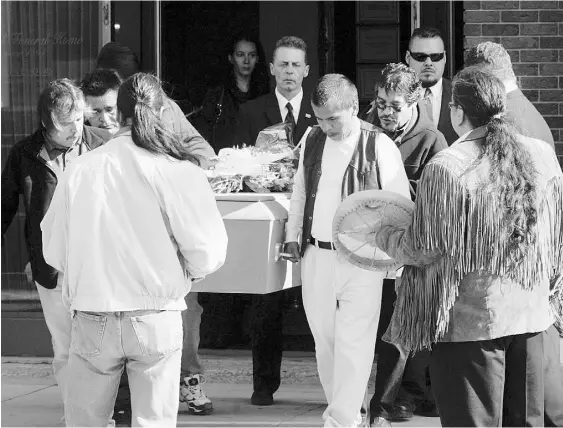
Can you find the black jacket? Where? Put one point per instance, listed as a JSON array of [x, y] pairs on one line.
[[26, 173], [445, 122], [417, 146], [216, 119], [264, 111]]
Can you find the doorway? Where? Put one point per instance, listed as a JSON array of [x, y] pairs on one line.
[[194, 38]]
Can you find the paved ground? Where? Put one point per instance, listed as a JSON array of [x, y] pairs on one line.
[[30, 396]]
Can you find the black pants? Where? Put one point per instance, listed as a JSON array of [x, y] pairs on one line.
[[490, 383], [267, 340], [553, 379], [399, 379]]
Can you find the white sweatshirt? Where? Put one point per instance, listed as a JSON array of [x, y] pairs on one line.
[[125, 225]]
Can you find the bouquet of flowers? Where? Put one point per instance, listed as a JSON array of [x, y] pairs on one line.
[[269, 166]]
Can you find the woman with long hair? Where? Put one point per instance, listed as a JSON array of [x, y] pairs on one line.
[[131, 225], [484, 253], [247, 78]]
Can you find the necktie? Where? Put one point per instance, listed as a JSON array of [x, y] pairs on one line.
[[290, 121], [428, 104]]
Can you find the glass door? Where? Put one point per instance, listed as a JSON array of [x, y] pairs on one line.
[[41, 41]]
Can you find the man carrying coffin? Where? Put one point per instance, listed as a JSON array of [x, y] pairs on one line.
[[340, 156], [288, 104]]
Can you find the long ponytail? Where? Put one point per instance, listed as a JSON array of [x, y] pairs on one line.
[[141, 98], [512, 174]]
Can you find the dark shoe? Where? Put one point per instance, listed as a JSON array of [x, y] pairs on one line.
[[401, 413], [427, 408], [260, 398]]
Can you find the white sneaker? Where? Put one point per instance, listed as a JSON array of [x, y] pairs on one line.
[[192, 394]]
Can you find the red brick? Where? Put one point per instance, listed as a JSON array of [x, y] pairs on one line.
[[538, 29], [472, 29], [481, 16], [514, 56], [551, 95], [471, 42], [561, 29], [539, 55], [501, 29], [551, 69], [548, 108], [561, 86], [551, 42], [551, 16], [538, 4], [520, 42], [471, 5], [531, 94], [539, 82], [519, 16], [500, 5], [554, 121], [525, 69]]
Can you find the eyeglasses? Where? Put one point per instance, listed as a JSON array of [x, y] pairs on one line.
[[421, 57], [382, 106]]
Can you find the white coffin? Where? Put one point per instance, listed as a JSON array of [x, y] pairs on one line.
[[255, 224]]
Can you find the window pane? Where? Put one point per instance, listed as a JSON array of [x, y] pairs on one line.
[[41, 41]]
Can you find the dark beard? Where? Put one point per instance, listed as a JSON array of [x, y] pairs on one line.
[[429, 83]]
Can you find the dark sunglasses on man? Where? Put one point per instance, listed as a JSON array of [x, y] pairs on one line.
[[421, 57]]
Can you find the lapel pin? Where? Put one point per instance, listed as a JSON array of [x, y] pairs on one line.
[[307, 115]]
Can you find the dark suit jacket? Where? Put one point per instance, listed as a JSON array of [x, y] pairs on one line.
[[445, 123], [264, 111]]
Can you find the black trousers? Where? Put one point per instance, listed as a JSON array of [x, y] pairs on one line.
[[553, 379], [490, 383], [399, 379], [267, 340]]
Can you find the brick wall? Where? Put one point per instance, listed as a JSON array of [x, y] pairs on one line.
[[532, 32]]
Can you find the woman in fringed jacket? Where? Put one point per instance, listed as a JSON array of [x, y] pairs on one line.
[[484, 254]]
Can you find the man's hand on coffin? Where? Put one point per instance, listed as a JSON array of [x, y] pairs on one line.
[[293, 249]]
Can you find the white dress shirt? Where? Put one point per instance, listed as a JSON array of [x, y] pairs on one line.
[[128, 227], [336, 157], [295, 103], [436, 101]]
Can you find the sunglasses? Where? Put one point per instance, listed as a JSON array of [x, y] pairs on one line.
[[382, 106], [421, 57]]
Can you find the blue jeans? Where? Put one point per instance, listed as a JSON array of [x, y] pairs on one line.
[[191, 317], [101, 343]]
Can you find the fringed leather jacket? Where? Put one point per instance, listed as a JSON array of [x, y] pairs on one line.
[[471, 292]]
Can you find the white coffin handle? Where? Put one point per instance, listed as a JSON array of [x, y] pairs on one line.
[[278, 254]]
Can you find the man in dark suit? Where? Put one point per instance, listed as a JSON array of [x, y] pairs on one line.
[[287, 104], [427, 56], [289, 67]]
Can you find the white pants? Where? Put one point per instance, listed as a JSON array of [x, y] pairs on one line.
[[58, 320], [342, 303]]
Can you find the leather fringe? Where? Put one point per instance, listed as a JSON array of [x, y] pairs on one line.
[[469, 243]]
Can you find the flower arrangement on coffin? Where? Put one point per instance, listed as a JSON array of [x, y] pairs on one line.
[[269, 166]]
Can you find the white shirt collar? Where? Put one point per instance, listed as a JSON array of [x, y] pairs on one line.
[[295, 103], [437, 89]]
